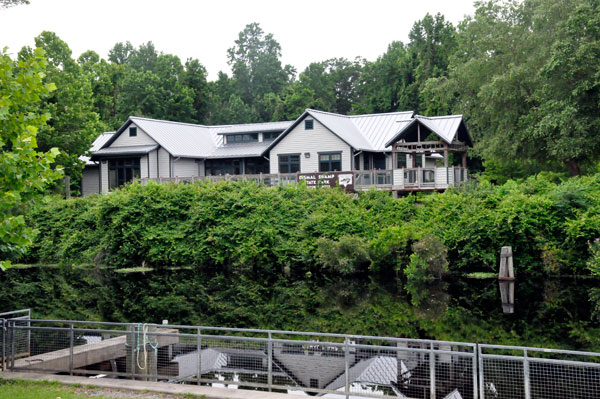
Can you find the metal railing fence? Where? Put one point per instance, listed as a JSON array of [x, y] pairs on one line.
[[536, 373], [319, 363], [344, 365], [20, 342]]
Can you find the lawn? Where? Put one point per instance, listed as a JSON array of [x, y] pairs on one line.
[[24, 389]]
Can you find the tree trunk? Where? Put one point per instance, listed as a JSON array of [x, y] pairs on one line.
[[573, 167]]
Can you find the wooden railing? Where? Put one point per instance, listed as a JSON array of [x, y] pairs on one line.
[[410, 179]]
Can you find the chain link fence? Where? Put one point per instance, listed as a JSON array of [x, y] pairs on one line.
[[534, 373], [329, 365]]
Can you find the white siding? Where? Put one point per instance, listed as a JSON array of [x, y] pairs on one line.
[[90, 181], [164, 163], [141, 139], [104, 175], [300, 141], [443, 177], [398, 178], [153, 158], [185, 167]]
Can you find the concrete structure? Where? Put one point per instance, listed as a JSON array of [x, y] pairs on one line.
[[396, 151]]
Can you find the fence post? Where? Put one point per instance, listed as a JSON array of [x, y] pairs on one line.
[[475, 357], [481, 380], [3, 328], [526, 375], [199, 349], [133, 348], [71, 343], [12, 345], [431, 372], [270, 361], [346, 368]]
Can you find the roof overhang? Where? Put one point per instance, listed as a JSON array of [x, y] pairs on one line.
[[112, 152], [461, 131]]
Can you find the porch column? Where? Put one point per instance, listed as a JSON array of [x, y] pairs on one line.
[[414, 159], [445, 155], [464, 160]]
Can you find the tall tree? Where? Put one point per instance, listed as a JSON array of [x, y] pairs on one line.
[[73, 125], [24, 171], [255, 60], [524, 75]]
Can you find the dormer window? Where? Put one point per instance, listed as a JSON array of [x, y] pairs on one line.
[[268, 136], [132, 131], [242, 138], [309, 124]]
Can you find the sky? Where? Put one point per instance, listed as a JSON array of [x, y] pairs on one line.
[[307, 30]]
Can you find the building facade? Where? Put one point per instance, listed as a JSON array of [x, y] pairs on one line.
[[397, 151]]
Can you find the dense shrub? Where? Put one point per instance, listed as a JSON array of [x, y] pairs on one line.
[[252, 230]]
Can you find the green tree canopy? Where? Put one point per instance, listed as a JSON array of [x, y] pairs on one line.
[[525, 74], [24, 171], [73, 124]]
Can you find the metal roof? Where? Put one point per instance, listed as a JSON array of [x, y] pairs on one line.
[[368, 132], [240, 150], [130, 150], [179, 139], [96, 145], [446, 127], [256, 127]]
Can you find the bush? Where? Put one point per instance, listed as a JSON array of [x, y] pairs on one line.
[[428, 260], [345, 256]]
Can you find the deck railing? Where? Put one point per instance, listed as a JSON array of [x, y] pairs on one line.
[[409, 179]]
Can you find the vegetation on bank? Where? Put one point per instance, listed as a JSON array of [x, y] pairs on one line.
[[260, 232], [24, 389]]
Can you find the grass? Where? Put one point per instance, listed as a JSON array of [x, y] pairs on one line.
[[481, 275], [25, 389]]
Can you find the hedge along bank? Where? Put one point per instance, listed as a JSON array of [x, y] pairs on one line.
[[244, 227]]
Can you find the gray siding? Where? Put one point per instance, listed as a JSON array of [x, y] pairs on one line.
[[300, 141], [153, 161], [201, 168], [124, 140], [90, 180], [185, 167], [164, 163], [144, 166]]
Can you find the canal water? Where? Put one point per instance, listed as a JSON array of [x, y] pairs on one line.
[[555, 312]]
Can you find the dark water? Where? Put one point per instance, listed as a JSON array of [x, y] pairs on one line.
[[548, 312]]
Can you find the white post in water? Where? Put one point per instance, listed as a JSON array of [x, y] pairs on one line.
[[506, 264]]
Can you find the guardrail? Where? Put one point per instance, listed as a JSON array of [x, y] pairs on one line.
[[319, 363], [344, 365], [20, 342]]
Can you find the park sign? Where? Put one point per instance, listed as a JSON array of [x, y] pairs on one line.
[[344, 180]]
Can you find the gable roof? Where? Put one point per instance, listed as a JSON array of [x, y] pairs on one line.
[[188, 140], [96, 145], [446, 127], [368, 132]]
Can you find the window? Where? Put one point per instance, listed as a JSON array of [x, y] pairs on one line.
[[419, 161], [289, 163], [379, 161], [121, 171], [242, 138], [366, 161], [314, 383], [330, 161], [401, 162], [270, 136], [309, 124], [132, 131]]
